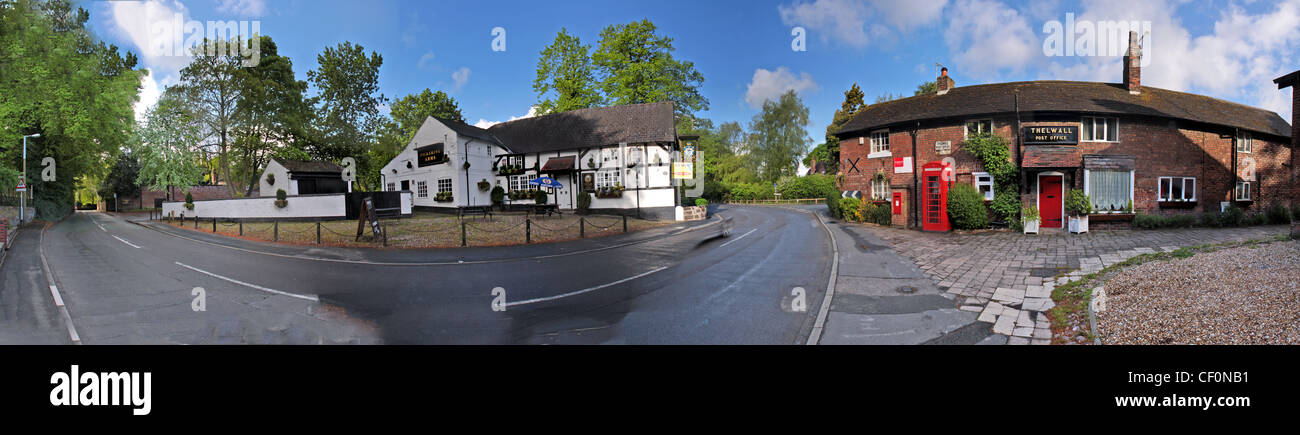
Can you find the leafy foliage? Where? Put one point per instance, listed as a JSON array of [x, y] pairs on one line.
[[849, 208], [565, 70], [808, 186], [272, 115], [779, 136], [349, 100], [748, 191], [121, 179], [635, 65], [167, 145], [966, 210], [584, 201], [1278, 215], [1077, 203], [539, 196]]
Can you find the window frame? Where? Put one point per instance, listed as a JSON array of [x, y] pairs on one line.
[[514, 185], [1087, 189], [1244, 137], [392, 187], [422, 189], [1237, 190], [978, 123], [1088, 129], [449, 185], [883, 186], [879, 144], [1163, 196], [992, 193], [608, 179]]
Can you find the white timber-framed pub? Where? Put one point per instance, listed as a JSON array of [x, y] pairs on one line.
[[621, 155]]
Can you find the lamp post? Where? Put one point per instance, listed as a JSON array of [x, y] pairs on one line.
[[22, 196]]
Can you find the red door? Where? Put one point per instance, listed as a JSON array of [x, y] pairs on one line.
[[934, 197], [1049, 200]]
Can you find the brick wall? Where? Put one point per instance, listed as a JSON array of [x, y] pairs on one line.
[[178, 194]]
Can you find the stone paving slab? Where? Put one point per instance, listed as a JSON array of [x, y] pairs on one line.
[[1004, 275]]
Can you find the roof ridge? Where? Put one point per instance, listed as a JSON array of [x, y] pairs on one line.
[[585, 109]]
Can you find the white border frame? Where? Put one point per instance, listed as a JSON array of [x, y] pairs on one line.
[[975, 181], [1094, 129], [1038, 193], [872, 154], [1160, 190], [1132, 187], [965, 132]]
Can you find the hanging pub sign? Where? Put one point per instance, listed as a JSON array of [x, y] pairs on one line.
[[430, 155], [588, 182], [1052, 135]]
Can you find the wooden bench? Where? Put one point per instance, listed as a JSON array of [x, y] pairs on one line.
[[474, 210], [547, 209], [388, 212]]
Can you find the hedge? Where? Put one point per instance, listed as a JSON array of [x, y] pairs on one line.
[[966, 210]]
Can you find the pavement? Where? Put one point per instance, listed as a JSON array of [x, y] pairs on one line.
[[133, 282]]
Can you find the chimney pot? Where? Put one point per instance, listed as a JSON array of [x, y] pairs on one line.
[[944, 83], [1133, 65]]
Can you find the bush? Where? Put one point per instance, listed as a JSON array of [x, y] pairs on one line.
[[1077, 203], [1279, 215], [748, 191], [1147, 221], [808, 186], [1295, 210], [539, 196], [849, 209], [833, 205], [499, 195], [584, 201], [1255, 219], [1006, 206], [1030, 214], [189, 197], [966, 210], [1232, 218], [1180, 221], [876, 213], [701, 202], [1210, 219]]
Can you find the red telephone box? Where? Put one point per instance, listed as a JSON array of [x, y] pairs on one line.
[[936, 178]]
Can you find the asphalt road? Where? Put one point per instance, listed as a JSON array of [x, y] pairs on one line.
[[128, 283]]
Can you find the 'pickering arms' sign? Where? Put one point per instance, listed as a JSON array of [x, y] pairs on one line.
[[430, 155], [1052, 135]]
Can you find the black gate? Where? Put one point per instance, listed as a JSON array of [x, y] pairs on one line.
[[387, 204]]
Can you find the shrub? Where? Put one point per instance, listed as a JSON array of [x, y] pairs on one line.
[[499, 195], [849, 209], [1077, 203], [189, 197], [1232, 218], [748, 191], [808, 186], [539, 196], [701, 202], [833, 205], [1255, 219], [1295, 210], [1180, 221], [966, 208], [1210, 219], [877, 213], [1147, 221], [584, 201], [1006, 205], [1279, 215]]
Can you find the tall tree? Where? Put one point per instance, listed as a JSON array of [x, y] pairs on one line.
[[566, 78], [406, 115], [77, 92], [167, 144], [853, 103], [779, 136], [349, 100], [924, 88], [636, 65], [272, 113], [121, 179], [212, 84]]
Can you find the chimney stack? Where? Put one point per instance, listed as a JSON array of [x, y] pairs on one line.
[[1133, 65], [944, 83]]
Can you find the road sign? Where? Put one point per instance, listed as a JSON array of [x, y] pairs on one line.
[[22, 186]]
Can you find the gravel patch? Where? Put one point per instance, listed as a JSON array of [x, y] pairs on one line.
[[1243, 295]]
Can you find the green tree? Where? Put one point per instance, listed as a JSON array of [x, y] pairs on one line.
[[926, 88], [406, 115], [212, 84], [853, 103], [272, 113], [349, 100], [75, 91], [636, 65], [167, 145], [566, 78], [779, 136], [122, 177]]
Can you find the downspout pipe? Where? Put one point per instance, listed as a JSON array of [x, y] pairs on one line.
[[916, 181]]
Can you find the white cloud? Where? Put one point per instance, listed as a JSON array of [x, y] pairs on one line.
[[460, 77], [150, 91], [483, 123], [769, 85], [426, 62], [136, 21], [910, 13], [843, 20], [987, 37], [248, 8]]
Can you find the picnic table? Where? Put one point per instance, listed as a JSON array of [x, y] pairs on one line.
[[547, 209], [474, 210]]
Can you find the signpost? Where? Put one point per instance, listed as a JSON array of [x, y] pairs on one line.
[[367, 215]]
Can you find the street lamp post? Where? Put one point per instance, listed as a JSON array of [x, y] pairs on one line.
[[22, 196]]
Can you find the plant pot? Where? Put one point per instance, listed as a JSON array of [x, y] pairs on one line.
[[189, 206], [281, 203], [1078, 224], [1031, 227]]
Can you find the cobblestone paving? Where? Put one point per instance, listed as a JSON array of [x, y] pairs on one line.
[[1008, 277]]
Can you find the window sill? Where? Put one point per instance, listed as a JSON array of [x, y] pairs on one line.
[[1177, 204], [880, 154]]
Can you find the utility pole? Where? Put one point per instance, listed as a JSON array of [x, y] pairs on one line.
[[22, 196]]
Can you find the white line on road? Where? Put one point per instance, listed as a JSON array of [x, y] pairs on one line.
[[738, 238], [585, 290], [815, 337], [126, 242], [54, 290], [253, 286]]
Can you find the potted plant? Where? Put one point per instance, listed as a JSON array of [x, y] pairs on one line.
[[442, 197], [1078, 205], [498, 195], [1030, 218], [484, 185], [270, 179], [539, 196], [591, 163], [189, 201], [281, 198]]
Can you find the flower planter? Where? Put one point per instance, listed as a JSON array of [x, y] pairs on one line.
[[609, 195], [1078, 224], [1031, 227], [281, 203]]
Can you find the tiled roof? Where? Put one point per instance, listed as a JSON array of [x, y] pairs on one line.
[[557, 164], [583, 128], [313, 166], [1052, 157], [1067, 96]]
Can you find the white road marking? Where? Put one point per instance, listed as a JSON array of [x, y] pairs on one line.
[[585, 290], [738, 238], [815, 337], [54, 291], [126, 242], [253, 286]]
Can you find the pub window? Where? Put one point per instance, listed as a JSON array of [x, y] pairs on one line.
[[880, 142], [1177, 189], [422, 189], [984, 184], [1243, 142], [521, 182], [608, 179], [391, 187], [514, 161], [979, 126], [610, 157], [444, 185], [1242, 192], [879, 189], [1100, 129], [1110, 190]]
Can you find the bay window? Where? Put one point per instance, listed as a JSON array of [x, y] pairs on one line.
[[1177, 189], [1109, 189]]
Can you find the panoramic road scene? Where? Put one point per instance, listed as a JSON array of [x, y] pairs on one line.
[[968, 172]]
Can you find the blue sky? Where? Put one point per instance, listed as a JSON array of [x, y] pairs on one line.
[[1226, 49]]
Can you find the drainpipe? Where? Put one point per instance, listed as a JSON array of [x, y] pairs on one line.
[[1232, 198], [1020, 153], [916, 181]]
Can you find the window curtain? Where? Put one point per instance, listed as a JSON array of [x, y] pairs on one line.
[[1109, 190]]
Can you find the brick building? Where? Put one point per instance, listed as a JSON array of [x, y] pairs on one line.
[[1165, 152]]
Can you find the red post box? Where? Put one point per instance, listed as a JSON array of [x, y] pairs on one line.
[[898, 203]]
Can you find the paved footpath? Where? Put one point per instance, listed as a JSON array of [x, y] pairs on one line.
[[1006, 279]]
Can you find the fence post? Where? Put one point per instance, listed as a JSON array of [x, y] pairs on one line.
[[528, 230], [317, 231], [276, 223], [624, 223], [214, 225], [582, 227], [196, 221], [384, 231], [241, 228], [462, 234]]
